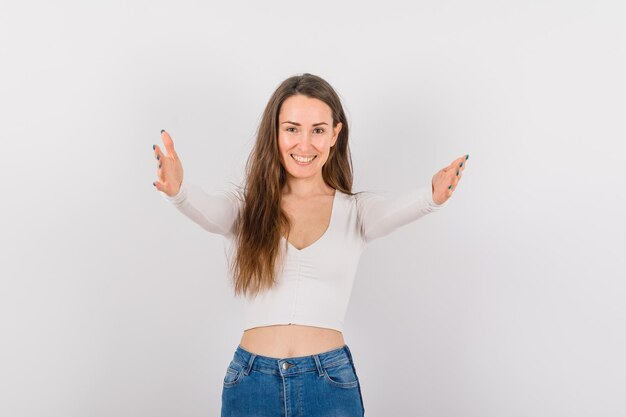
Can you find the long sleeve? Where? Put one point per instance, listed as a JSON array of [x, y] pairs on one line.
[[214, 212], [380, 215]]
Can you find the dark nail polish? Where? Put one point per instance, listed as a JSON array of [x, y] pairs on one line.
[[162, 130], [153, 146], [457, 172], [154, 184], [157, 157], [461, 164], [159, 165], [466, 157], [449, 187]]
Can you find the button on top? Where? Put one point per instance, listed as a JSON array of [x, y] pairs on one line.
[[287, 365]]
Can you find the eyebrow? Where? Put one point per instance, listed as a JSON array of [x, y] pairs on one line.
[[298, 124]]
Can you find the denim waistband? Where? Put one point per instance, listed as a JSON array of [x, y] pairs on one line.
[[284, 366]]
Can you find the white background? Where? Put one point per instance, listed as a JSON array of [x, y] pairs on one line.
[[510, 302]]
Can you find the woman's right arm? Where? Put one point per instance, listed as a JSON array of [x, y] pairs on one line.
[[214, 212]]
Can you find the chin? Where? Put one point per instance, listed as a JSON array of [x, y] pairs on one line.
[[301, 175]]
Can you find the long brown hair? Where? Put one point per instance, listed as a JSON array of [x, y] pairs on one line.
[[262, 221]]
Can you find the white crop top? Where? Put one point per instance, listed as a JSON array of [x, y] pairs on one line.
[[315, 284]]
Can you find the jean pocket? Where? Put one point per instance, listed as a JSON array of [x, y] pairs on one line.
[[341, 374], [234, 373]]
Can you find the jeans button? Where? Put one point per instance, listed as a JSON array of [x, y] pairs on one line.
[[287, 365]]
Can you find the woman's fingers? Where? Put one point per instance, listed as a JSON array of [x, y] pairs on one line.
[[455, 181], [446, 180], [457, 163], [169, 147], [159, 185], [456, 172], [169, 167], [160, 160], [158, 154], [169, 144]]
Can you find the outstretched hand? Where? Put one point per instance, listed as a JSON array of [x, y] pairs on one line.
[[170, 169], [444, 182]]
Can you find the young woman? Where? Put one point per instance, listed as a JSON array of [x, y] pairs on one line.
[[295, 232]]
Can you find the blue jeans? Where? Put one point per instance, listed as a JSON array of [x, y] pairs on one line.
[[325, 384]]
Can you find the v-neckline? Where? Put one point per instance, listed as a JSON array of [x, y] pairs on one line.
[[330, 223]]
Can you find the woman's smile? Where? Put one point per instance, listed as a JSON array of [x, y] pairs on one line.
[[300, 160]]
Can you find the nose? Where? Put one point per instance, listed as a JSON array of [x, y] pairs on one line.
[[306, 141]]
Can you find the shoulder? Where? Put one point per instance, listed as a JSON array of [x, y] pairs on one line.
[[361, 200]]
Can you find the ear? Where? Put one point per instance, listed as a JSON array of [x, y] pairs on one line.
[[336, 131]]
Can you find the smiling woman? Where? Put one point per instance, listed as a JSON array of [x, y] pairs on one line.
[[303, 141], [295, 233]]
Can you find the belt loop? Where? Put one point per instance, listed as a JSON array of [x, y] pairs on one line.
[[318, 365], [347, 349], [250, 361]]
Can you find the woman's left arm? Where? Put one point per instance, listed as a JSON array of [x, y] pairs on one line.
[[379, 216]]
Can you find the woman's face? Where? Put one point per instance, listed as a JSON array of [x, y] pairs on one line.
[[305, 130]]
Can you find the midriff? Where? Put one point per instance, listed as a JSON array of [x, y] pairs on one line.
[[290, 340]]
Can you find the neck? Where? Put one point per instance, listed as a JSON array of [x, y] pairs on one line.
[[306, 187]]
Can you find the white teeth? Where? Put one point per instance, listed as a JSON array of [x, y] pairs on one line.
[[301, 159]]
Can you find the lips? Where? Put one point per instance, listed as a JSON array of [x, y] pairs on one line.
[[303, 162]]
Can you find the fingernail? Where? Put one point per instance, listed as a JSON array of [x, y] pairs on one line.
[[461, 164], [162, 130], [160, 166], [153, 146], [154, 184], [466, 157], [457, 172], [157, 157], [449, 187]]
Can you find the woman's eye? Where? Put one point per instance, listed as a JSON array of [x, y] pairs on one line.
[[318, 129]]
